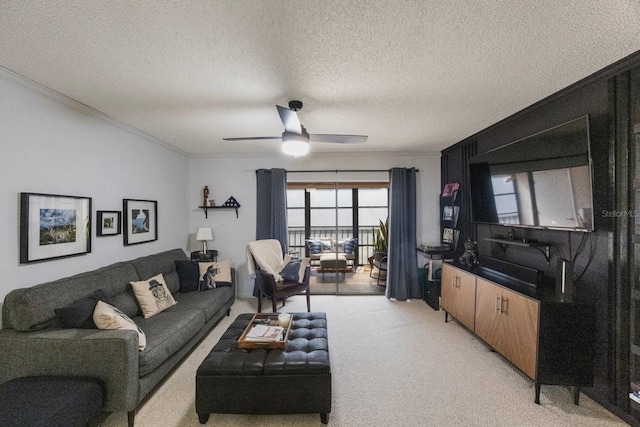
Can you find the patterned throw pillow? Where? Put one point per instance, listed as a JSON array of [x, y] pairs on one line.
[[221, 270], [153, 295], [350, 245], [315, 247], [106, 316]]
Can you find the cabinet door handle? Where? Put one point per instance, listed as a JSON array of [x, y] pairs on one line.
[[453, 281], [499, 304], [506, 305]]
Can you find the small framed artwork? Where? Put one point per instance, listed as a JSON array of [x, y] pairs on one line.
[[108, 223], [53, 226], [140, 218]]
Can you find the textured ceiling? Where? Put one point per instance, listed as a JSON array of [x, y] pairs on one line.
[[413, 75]]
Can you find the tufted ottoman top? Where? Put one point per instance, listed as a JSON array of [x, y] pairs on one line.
[[306, 351]]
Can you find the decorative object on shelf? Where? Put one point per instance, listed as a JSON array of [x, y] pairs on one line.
[[203, 234], [108, 223], [212, 202], [53, 226], [231, 203], [140, 221], [205, 195], [470, 255]]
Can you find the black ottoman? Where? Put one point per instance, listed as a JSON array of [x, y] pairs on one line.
[[296, 380], [50, 401]]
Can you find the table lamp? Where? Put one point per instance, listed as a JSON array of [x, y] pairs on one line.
[[204, 234]]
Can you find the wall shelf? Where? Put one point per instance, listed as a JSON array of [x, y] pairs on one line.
[[544, 248], [207, 208]]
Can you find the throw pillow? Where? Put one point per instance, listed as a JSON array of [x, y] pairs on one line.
[[106, 316], [80, 313], [350, 245], [189, 275], [153, 295], [222, 270], [294, 269], [290, 272], [315, 247]]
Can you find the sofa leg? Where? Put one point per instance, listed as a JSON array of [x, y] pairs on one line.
[[308, 300], [260, 303], [131, 417], [203, 418], [274, 304], [324, 418], [228, 311]]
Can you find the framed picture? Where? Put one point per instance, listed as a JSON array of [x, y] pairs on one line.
[[53, 226], [108, 223], [140, 218]]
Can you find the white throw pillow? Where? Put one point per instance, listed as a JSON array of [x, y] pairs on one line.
[[106, 316], [153, 295], [222, 270]]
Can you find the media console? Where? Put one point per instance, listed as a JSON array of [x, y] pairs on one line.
[[549, 339]]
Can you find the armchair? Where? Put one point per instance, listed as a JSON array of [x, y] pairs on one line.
[[265, 260]]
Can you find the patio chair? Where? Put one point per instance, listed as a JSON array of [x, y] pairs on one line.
[[379, 262], [266, 261]]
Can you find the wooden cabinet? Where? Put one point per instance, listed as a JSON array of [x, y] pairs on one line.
[[551, 340], [458, 295], [508, 322]]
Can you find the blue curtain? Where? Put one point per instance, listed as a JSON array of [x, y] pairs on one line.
[[271, 207], [271, 201], [402, 274]]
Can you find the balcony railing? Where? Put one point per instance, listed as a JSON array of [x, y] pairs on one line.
[[366, 239]]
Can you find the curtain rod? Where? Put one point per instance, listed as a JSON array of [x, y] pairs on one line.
[[342, 170]]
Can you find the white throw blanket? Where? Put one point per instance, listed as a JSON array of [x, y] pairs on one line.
[[268, 255]]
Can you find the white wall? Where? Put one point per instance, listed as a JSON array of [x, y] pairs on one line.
[[51, 144], [235, 176]]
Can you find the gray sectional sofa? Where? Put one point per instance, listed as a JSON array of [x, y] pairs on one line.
[[32, 342]]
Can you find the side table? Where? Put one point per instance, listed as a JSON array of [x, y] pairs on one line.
[[211, 255]]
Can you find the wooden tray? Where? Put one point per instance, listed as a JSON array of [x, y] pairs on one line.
[[260, 317]]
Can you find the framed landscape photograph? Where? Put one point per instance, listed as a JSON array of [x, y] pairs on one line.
[[53, 226], [108, 223], [140, 218]]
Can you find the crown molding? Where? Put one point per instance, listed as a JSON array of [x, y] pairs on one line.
[[19, 80]]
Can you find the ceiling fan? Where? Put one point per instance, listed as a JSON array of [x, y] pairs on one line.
[[295, 138]]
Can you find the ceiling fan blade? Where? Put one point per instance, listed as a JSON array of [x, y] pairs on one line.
[[252, 138], [290, 120], [338, 139]]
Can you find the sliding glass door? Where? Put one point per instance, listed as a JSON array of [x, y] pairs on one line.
[[335, 224]]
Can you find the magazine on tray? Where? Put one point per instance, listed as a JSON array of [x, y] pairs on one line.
[[265, 333]]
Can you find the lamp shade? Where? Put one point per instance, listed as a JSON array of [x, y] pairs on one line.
[[204, 233], [295, 148]]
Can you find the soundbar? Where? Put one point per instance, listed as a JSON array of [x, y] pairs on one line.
[[519, 273]]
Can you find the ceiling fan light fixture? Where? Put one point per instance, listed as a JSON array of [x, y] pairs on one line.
[[295, 148]]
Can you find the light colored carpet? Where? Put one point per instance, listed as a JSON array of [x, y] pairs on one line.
[[393, 364]]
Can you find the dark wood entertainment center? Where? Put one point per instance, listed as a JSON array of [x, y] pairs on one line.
[[606, 261]]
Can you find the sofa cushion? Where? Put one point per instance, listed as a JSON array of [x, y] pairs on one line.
[[153, 295], [31, 309], [209, 302], [162, 263], [166, 333], [106, 316], [80, 313]]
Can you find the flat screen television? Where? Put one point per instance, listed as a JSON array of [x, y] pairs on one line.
[[541, 181]]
